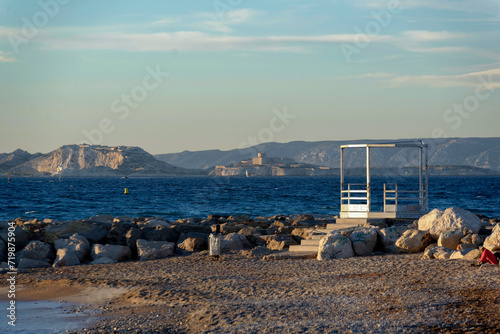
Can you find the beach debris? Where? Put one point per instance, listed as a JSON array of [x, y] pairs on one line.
[[150, 250], [335, 246], [438, 221], [413, 241]]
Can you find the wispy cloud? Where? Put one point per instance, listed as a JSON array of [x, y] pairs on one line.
[[6, 59], [492, 76], [430, 36], [213, 22]]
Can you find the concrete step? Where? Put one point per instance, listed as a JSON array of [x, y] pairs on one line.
[[360, 221], [285, 255], [310, 242], [317, 236], [303, 248], [334, 227]]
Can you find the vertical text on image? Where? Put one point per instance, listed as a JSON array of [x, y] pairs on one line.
[[11, 275]]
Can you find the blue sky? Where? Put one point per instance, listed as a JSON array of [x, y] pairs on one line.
[[231, 73]]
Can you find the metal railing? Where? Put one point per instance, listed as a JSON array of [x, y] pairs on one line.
[[399, 202], [353, 199]]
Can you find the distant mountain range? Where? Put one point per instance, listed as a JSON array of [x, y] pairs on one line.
[[456, 155], [453, 156], [95, 160]]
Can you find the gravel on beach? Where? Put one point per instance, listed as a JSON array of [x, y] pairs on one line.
[[238, 294]]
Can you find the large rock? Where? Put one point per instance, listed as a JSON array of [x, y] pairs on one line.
[[473, 255], [3, 251], [113, 252], [459, 254], [133, 234], [234, 241], [156, 222], [450, 238], [364, 241], [150, 250], [438, 221], [335, 246], [66, 258], [37, 250], [389, 236], [76, 243], [279, 241], [117, 234], [21, 236], [26, 263], [106, 219], [92, 232], [493, 241], [413, 241], [475, 239], [160, 233], [193, 242]]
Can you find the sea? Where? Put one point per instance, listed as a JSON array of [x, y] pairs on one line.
[[184, 197]]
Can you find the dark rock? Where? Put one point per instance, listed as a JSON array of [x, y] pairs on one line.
[[91, 231], [160, 233], [117, 234], [190, 228], [21, 236], [131, 237]]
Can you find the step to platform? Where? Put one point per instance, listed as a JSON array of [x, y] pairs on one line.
[[304, 248]]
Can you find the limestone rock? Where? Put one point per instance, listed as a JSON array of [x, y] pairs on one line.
[[239, 218], [389, 236], [122, 219], [150, 250], [76, 243], [37, 250], [160, 233], [21, 236], [450, 238], [26, 263], [473, 255], [438, 221], [364, 241], [472, 239], [66, 258], [335, 246], [92, 232], [106, 219], [492, 242], [113, 252], [156, 222], [442, 253], [133, 234], [279, 241], [193, 242], [117, 234], [234, 241], [413, 241]]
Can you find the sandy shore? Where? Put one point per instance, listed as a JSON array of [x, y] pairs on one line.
[[193, 294]]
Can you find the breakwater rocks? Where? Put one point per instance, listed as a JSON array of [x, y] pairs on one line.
[[452, 234], [108, 239]]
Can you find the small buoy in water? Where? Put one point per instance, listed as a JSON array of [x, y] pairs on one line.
[[125, 191]]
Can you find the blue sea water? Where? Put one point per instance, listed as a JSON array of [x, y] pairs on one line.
[[173, 198]]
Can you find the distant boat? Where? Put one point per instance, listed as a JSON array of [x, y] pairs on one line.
[[246, 172]]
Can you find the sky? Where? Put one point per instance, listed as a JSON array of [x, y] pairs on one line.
[[170, 76]]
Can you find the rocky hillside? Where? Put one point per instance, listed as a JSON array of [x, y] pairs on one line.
[[479, 153], [95, 160], [10, 160]]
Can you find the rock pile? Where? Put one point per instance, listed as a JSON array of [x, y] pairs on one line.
[[451, 234], [107, 239]]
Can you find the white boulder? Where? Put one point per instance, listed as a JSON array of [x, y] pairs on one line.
[[413, 241], [66, 258], [438, 221], [389, 236], [150, 250], [450, 238], [113, 252], [335, 246], [234, 241], [76, 243], [364, 241], [492, 242]]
